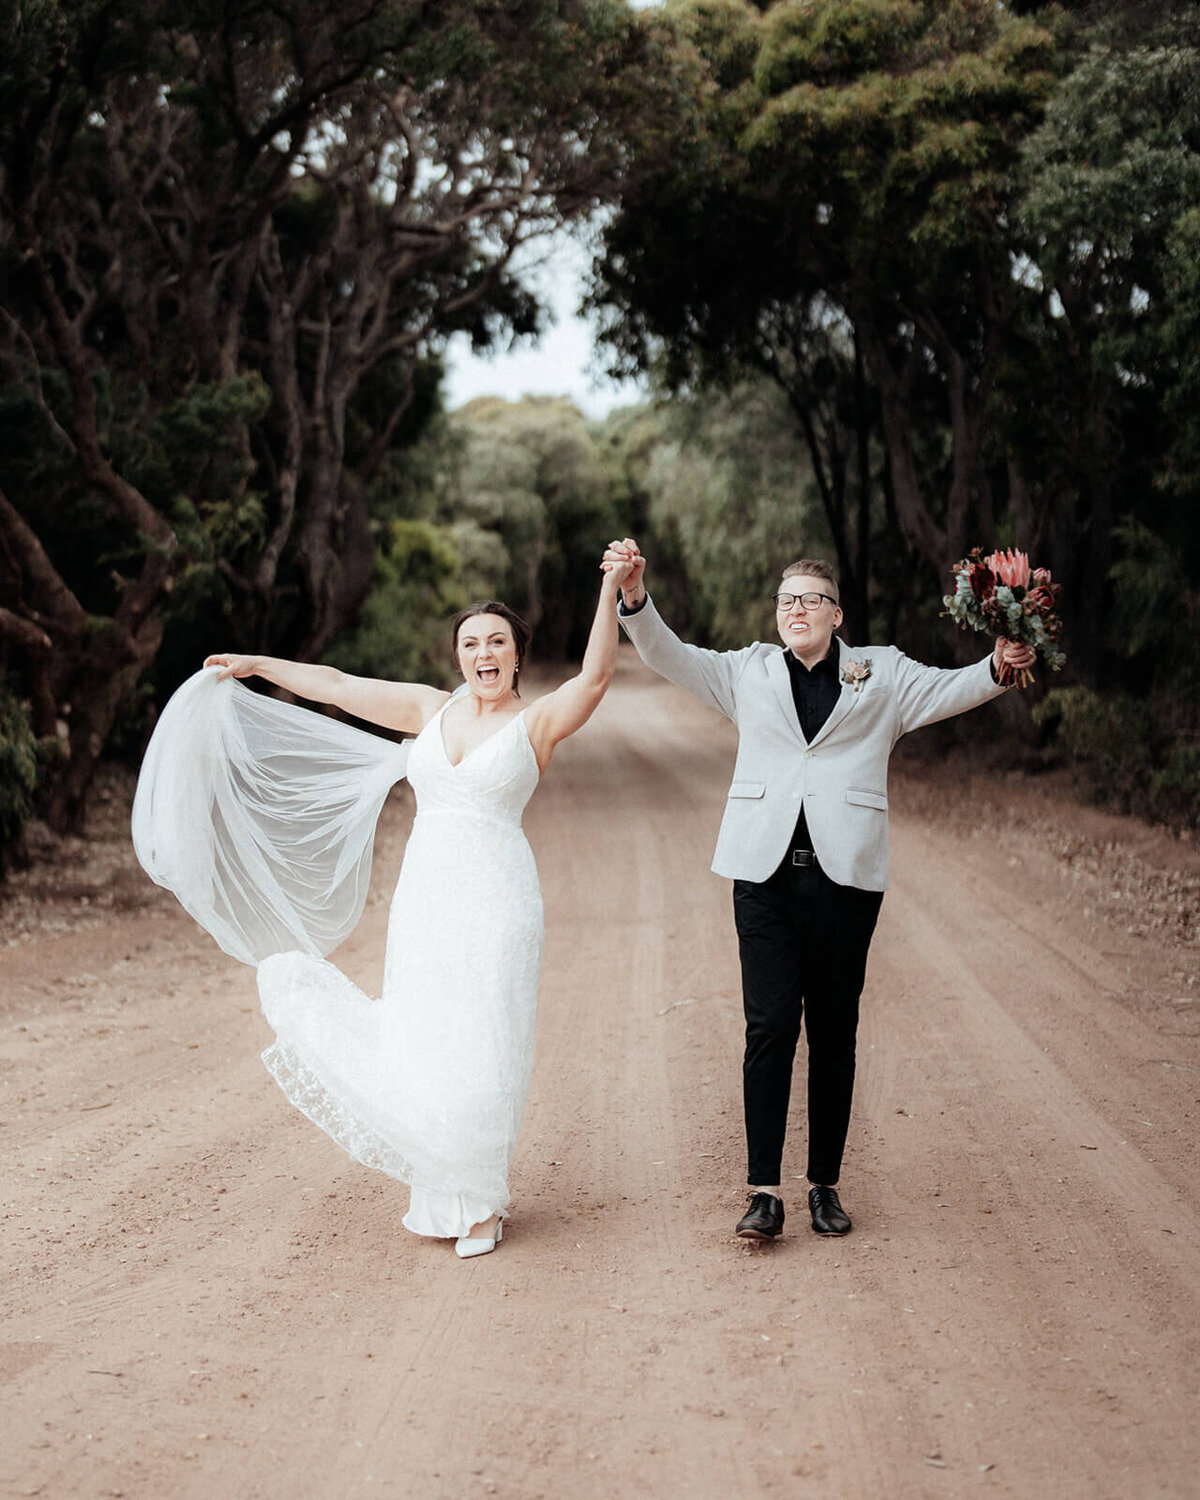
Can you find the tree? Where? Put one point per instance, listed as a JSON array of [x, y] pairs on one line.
[[511, 500], [1100, 399], [732, 496], [534, 472], [225, 231], [830, 209]]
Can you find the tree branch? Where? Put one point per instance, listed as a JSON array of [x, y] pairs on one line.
[[30, 637], [56, 605]]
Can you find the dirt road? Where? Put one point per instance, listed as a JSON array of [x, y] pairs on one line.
[[204, 1298]]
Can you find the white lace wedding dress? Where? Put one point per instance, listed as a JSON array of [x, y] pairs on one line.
[[429, 1082]]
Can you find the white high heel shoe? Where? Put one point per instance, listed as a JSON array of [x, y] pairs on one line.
[[465, 1246]]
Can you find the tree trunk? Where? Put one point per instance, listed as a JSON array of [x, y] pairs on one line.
[[105, 679], [916, 522]]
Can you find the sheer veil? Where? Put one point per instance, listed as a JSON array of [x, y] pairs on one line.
[[260, 816]]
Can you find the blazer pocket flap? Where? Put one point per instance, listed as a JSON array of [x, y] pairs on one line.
[[867, 799], [748, 789]]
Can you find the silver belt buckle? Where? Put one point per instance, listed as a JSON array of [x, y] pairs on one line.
[[803, 857]]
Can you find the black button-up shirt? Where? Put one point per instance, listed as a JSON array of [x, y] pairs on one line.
[[814, 690]]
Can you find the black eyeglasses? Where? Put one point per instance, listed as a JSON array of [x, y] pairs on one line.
[[807, 601]]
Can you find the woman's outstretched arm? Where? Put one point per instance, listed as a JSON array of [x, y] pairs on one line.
[[406, 706], [570, 706]]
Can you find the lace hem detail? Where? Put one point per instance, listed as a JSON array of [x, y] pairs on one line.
[[433, 1213], [304, 1089]]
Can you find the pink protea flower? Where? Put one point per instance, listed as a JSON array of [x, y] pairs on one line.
[[1010, 567]]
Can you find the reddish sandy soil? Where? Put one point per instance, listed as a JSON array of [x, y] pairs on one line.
[[203, 1297]]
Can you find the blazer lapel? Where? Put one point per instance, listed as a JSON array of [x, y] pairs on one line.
[[780, 679], [846, 698]]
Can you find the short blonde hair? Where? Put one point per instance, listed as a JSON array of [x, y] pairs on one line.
[[809, 567]]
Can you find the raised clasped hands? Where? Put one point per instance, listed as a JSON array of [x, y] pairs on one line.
[[624, 559]]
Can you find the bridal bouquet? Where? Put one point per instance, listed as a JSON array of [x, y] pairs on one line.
[[1002, 595]]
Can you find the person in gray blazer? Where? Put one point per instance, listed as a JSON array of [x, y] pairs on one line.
[[804, 839]]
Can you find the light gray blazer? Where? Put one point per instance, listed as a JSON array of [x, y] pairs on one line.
[[841, 778]]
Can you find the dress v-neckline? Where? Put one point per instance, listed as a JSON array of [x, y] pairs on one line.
[[456, 764]]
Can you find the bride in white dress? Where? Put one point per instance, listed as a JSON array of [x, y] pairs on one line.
[[428, 1084]]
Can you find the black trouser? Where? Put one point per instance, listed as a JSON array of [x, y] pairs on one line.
[[803, 942]]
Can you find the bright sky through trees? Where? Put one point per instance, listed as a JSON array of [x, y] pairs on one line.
[[563, 362]]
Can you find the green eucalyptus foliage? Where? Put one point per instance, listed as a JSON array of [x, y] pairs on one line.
[[1149, 769], [417, 584], [233, 241], [535, 473], [1099, 383], [18, 770], [732, 498], [1138, 742], [963, 240], [829, 212], [509, 500], [1156, 610], [1180, 360]]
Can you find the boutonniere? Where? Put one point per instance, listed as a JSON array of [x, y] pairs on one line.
[[856, 673]]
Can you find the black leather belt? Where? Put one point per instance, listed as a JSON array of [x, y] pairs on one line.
[[803, 857]]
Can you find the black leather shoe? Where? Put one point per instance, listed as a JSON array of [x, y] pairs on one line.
[[828, 1215], [764, 1218]]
